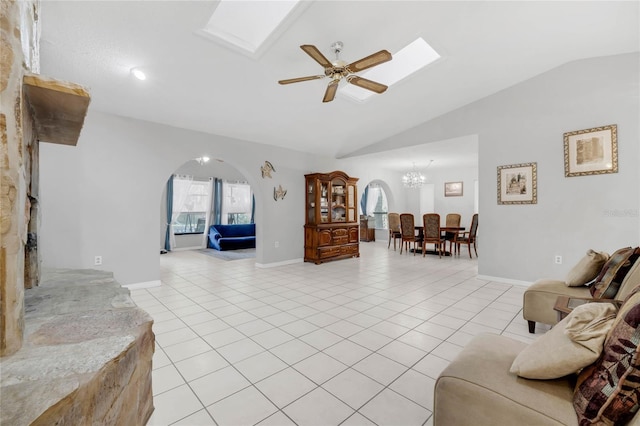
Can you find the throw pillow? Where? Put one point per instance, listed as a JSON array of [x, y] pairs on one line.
[[569, 346], [587, 269], [608, 282], [608, 391]]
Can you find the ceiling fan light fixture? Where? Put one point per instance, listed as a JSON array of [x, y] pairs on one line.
[[336, 71]]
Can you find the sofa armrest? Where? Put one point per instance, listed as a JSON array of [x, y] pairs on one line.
[[565, 304], [540, 298], [214, 234]]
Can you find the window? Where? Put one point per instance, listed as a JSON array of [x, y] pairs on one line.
[[377, 206], [236, 203], [191, 200]]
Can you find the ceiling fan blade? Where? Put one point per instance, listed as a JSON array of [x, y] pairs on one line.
[[299, 79], [367, 84], [313, 51], [332, 88], [370, 61]]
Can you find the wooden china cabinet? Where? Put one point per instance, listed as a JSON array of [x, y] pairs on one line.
[[331, 225]]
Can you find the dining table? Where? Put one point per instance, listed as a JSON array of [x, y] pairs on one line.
[[443, 230]]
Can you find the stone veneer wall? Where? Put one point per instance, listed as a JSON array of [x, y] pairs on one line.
[[86, 357], [19, 52], [82, 352]]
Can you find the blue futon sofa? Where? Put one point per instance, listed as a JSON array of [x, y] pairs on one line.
[[232, 237]]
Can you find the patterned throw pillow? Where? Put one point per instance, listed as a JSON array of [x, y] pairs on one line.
[[608, 282], [608, 392]]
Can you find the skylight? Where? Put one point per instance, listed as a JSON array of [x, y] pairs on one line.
[[247, 25], [416, 55]]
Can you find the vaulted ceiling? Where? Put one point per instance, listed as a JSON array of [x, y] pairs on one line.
[[196, 83]]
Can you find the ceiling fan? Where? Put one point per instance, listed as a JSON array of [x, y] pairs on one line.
[[339, 70]]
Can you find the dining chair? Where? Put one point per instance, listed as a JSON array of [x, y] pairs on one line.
[[408, 231], [431, 233], [394, 229], [451, 220], [469, 237]]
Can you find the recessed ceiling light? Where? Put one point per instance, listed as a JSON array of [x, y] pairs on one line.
[[137, 73], [416, 55]]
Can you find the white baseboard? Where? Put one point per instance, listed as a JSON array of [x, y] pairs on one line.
[[188, 248], [274, 264], [505, 280], [147, 284]]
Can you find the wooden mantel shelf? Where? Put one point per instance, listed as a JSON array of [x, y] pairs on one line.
[[58, 108]]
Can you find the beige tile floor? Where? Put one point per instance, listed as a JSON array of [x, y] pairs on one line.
[[352, 342]]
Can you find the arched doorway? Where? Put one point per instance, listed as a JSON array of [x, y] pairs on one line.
[[374, 202], [199, 193]]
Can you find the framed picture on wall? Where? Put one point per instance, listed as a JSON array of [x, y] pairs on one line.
[[591, 151], [518, 184], [453, 189]]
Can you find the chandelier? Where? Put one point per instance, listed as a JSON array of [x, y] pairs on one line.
[[413, 178]]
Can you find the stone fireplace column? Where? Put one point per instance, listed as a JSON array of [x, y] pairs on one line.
[[19, 39]]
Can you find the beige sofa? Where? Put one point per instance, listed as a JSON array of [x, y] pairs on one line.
[[477, 389], [540, 298]]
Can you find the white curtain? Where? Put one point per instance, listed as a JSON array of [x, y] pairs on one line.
[[376, 195], [181, 185], [236, 199], [189, 196]]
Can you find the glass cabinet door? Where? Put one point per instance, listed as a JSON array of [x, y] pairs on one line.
[[338, 200], [324, 202], [351, 207], [311, 201]]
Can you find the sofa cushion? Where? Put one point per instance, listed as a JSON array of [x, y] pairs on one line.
[[630, 282], [477, 389], [586, 269], [574, 343], [608, 391]]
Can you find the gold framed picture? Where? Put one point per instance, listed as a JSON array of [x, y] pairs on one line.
[[453, 189], [591, 151], [518, 184]]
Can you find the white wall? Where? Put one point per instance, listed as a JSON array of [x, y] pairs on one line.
[[525, 123], [427, 200], [463, 205], [102, 197]]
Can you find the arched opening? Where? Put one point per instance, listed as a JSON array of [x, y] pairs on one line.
[[374, 202], [200, 193]]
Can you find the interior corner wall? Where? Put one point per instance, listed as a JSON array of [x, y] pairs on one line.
[[101, 198], [525, 123]]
